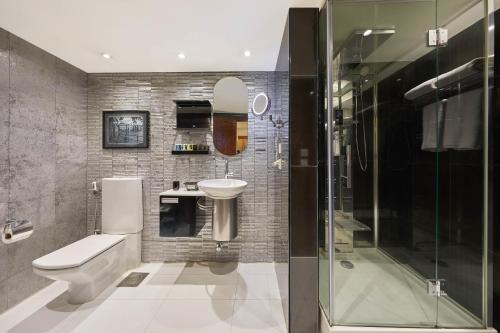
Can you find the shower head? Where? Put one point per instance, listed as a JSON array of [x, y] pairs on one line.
[[363, 42], [365, 70]]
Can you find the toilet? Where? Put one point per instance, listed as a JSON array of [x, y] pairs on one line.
[[94, 262]]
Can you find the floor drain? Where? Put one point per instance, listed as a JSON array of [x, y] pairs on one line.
[[347, 264], [133, 279]]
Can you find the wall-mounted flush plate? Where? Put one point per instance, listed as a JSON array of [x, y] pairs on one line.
[[94, 188], [437, 37]]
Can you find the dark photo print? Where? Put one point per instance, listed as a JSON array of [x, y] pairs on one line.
[[125, 129]]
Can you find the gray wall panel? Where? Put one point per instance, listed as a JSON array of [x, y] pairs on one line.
[[43, 143]]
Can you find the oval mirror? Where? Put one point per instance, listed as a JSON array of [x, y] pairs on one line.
[[230, 116], [261, 104]]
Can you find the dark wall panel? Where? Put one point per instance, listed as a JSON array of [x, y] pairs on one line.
[[303, 35], [304, 226], [302, 27], [303, 121]]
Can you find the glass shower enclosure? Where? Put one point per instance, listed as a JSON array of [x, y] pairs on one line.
[[404, 170]]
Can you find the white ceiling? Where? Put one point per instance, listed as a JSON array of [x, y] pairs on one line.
[[147, 35]]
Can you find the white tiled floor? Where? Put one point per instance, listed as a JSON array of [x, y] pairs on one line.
[[177, 297], [378, 291]]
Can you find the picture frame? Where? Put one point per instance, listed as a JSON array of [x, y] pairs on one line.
[[125, 129]]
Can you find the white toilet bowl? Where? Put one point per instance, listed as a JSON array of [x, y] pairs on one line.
[[92, 263], [89, 265]]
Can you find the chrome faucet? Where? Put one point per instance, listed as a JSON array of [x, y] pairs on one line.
[[13, 227], [13, 223], [9, 223], [227, 174]]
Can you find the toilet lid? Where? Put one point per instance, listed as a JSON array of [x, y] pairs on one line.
[[78, 253]]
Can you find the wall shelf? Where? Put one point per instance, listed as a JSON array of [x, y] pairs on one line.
[[200, 129], [190, 152]]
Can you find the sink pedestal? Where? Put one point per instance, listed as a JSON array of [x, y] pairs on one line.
[[225, 220]]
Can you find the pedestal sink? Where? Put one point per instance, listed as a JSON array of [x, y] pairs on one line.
[[225, 212], [222, 188]]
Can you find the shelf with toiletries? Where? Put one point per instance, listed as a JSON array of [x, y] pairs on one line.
[[192, 152], [193, 129], [190, 149]]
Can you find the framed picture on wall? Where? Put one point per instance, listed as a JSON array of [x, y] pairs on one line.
[[125, 129]]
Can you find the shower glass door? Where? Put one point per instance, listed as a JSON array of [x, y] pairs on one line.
[[402, 235], [376, 49], [460, 114]]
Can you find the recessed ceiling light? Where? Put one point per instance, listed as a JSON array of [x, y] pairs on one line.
[[181, 56], [248, 53], [106, 55], [367, 32]]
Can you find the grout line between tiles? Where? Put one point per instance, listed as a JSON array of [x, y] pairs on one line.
[[163, 301]]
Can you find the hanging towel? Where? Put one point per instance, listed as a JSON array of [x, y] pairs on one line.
[[453, 123], [463, 121], [433, 122]]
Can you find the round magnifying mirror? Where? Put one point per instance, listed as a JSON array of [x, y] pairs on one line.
[[260, 104]]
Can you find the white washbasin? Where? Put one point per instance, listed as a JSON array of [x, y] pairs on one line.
[[222, 188]]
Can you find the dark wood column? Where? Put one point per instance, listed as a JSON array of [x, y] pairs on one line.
[[302, 29]]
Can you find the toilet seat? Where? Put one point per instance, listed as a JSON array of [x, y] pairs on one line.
[[78, 253]]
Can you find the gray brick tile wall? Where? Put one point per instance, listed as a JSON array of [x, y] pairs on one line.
[[263, 207]]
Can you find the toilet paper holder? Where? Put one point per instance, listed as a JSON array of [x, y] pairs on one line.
[[14, 230]]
